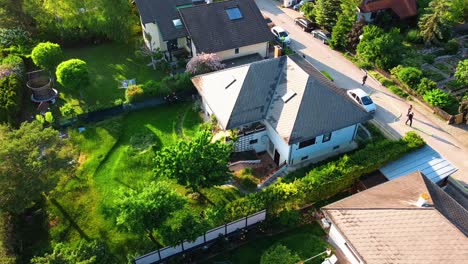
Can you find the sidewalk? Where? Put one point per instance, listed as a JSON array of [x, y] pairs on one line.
[[450, 141]]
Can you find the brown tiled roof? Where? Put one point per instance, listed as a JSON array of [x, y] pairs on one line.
[[402, 8], [384, 225]]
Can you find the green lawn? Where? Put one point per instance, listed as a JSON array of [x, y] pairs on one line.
[[118, 153], [306, 241], [108, 64]]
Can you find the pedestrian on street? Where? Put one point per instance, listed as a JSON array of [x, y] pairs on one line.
[[364, 79], [409, 109], [410, 119]]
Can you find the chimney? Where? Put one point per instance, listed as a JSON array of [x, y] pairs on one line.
[[278, 51], [422, 201]]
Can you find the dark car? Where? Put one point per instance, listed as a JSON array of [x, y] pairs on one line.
[[323, 35], [304, 23]]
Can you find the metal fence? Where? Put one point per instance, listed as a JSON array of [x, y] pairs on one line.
[[161, 254]]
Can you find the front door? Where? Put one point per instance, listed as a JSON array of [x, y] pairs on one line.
[[277, 157]]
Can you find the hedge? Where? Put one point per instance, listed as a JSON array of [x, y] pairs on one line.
[[324, 181], [11, 87]]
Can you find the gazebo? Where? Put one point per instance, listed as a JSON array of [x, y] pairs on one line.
[[40, 84]]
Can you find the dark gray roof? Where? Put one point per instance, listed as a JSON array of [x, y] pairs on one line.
[[448, 206], [163, 12], [211, 29]]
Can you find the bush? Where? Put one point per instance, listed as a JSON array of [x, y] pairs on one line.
[[204, 63], [437, 97], [67, 110], [426, 85], [452, 46], [279, 254], [414, 36], [73, 73], [134, 93], [13, 36], [408, 75], [177, 83], [429, 58], [289, 218], [413, 140], [47, 55], [462, 72], [396, 90], [11, 87]]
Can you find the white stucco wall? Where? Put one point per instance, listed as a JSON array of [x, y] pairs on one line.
[[206, 107], [243, 142], [156, 37], [280, 145], [339, 241], [260, 48], [339, 138]]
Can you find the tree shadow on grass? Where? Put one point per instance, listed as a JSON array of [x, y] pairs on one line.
[[69, 218]]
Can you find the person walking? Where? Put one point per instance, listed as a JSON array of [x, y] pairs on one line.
[[410, 119], [364, 79], [409, 109]]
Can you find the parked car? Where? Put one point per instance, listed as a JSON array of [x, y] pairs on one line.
[[281, 35], [268, 21], [304, 23], [300, 4], [323, 35], [363, 99]]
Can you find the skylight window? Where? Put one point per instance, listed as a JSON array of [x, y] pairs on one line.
[[230, 81], [177, 23], [234, 13], [288, 96]]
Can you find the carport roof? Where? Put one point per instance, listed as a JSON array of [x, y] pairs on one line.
[[426, 160]]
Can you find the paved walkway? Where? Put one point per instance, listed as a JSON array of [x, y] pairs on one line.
[[450, 141]]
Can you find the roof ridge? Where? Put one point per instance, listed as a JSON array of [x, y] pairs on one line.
[[238, 95]]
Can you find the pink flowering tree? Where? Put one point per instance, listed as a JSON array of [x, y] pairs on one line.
[[204, 63]]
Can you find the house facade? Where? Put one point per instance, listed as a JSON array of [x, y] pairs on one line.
[[407, 220], [231, 29], [283, 106], [369, 9]]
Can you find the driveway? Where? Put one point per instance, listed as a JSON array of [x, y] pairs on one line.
[[450, 141]]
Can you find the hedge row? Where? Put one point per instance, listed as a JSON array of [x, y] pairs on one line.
[[324, 181], [11, 87]]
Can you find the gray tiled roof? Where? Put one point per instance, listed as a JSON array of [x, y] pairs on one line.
[[212, 31], [384, 225], [163, 12], [318, 107]]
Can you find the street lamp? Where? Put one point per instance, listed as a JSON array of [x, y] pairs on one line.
[[328, 252]]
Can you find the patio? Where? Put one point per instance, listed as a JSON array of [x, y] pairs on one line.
[[263, 166]]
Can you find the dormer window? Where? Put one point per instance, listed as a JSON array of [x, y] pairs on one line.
[[177, 23], [234, 13]]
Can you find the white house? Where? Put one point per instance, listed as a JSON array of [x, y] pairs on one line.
[[407, 220], [231, 29], [283, 106]]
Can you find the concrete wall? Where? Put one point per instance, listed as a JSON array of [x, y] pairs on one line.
[[156, 37], [339, 138], [279, 144], [243, 143], [339, 241], [260, 48]]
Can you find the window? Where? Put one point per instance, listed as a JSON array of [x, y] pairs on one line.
[[177, 23], [236, 51], [307, 143], [253, 141], [326, 137], [304, 158], [234, 13]]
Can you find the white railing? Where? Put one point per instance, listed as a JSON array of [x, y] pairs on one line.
[[245, 162], [210, 235]]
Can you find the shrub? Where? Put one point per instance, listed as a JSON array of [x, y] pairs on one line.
[[204, 63], [47, 55], [409, 75], [13, 36], [279, 254], [134, 93], [67, 110], [462, 72], [413, 140], [437, 97], [73, 73], [452, 46], [289, 218], [11, 87], [396, 90], [176, 83], [414, 36], [426, 85]]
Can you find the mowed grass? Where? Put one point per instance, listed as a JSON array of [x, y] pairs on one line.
[[118, 153], [108, 64], [305, 240]]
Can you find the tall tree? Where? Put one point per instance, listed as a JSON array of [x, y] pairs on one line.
[[199, 163], [346, 20], [439, 17], [29, 160], [326, 12], [183, 225], [143, 211]]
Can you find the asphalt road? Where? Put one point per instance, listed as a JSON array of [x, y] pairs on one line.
[[450, 142]]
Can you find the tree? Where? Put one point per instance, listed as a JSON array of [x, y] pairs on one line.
[[438, 19], [83, 252], [183, 225], [29, 160], [426, 85], [73, 73], [279, 254], [326, 13], [462, 72], [356, 31], [47, 55], [196, 164], [437, 98], [346, 20], [204, 63], [308, 10], [142, 211], [380, 48]]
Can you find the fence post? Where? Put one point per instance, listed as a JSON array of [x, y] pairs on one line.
[[225, 229], [182, 244], [246, 218], [159, 253], [204, 238]]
